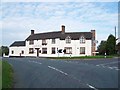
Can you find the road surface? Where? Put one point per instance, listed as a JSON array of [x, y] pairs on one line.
[[45, 73]]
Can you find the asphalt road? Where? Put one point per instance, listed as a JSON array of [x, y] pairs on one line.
[[44, 73]]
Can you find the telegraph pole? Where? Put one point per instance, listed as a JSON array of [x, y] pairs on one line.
[[115, 39], [115, 34]]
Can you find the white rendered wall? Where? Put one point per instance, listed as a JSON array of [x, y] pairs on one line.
[[17, 51], [60, 44]]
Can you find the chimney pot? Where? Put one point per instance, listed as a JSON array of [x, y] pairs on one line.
[[32, 32], [63, 29]]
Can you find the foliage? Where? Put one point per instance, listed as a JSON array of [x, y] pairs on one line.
[[102, 47], [108, 47], [4, 50]]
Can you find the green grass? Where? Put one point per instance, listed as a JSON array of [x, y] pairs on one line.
[[81, 57], [7, 75], [0, 75]]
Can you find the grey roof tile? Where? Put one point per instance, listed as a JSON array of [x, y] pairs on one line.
[[18, 43], [58, 34]]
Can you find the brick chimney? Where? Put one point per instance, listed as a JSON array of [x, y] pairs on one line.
[[93, 34], [32, 32], [63, 29], [93, 42]]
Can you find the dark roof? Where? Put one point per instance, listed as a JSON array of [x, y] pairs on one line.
[[18, 43], [58, 34]]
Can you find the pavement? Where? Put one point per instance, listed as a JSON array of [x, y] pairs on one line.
[[48, 73]]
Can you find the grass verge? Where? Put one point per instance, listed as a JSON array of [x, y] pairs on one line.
[[81, 57], [0, 75], [7, 75]]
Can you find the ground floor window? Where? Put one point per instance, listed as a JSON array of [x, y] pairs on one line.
[[31, 50], [44, 50], [82, 50], [68, 50], [53, 50], [12, 52]]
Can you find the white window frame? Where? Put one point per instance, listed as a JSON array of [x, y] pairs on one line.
[[82, 50], [68, 40], [82, 39], [53, 41], [68, 50]]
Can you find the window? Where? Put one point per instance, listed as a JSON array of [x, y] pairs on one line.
[[68, 39], [53, 50], [44, 42], [68, 50], [82, 50], [31, 42], [22, 52], [53, 41], [82, 39], [31, 50], [12, 52], [44, 50]]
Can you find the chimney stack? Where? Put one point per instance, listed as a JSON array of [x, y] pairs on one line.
[[32, 32], [93, 42], [63, 29], [93, 34]]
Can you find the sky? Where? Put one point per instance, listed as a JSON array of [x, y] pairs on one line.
[[19, 18]]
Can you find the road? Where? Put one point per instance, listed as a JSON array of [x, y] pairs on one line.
[[44, 73]]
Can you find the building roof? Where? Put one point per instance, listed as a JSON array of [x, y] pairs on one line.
[[59, 34], [18, 43]]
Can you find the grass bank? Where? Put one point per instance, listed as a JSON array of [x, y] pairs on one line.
[[0, 75], [7, 75], [81, 57]]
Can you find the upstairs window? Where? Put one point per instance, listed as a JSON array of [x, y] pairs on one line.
[[31, 50], [68, 39], [53, 41], [44, 42], [82, 39], [31, 42], [82, 50]]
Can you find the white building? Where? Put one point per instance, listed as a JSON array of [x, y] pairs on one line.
[[55, 44]]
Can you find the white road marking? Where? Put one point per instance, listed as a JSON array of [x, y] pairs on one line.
[[57, 70], [103, 65], [35, 62], [117, 69], [108, 63], [92, 87], [110, 67], [97, 65]]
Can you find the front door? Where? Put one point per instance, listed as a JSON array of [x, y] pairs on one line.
[[37, 51]]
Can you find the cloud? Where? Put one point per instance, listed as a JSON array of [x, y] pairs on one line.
[[19, 18], [60, 0]]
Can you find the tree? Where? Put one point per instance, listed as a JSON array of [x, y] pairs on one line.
[[102, 47], [111, 45], [4, 50]]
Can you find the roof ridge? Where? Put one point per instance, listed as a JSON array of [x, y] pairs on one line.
[[48, 32]]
